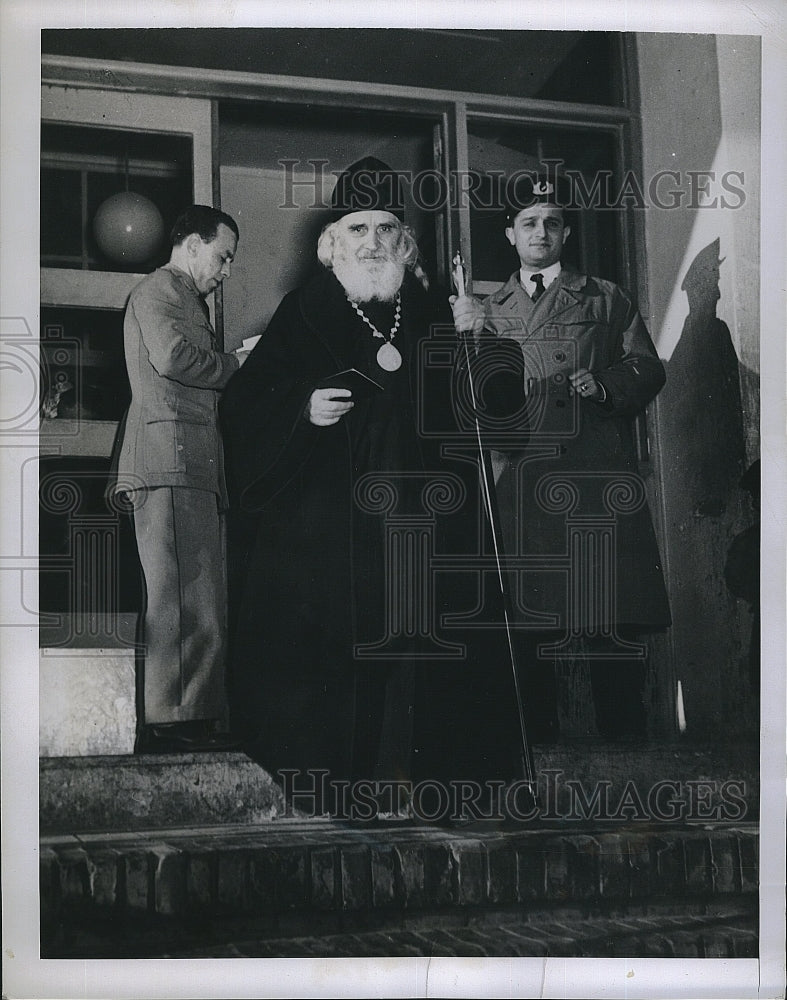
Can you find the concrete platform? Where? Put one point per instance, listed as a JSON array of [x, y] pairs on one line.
[[86, 700], [580, 783], [127, 793]]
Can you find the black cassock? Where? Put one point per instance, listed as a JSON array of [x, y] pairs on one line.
[[313, 574]]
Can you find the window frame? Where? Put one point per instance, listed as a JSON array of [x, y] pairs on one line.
[[118, 109], [118, 82], [121, 94]]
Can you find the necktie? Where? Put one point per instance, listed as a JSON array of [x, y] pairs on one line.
[[538, 281]]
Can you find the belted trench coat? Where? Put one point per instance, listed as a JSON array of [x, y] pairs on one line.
[[576, 527]]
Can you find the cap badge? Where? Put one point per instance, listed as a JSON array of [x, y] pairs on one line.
[[543, 187]]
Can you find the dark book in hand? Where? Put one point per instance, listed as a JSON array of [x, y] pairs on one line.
[[360, 385]]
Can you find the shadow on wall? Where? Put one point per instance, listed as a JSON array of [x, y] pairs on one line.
[[742, 569], [705, 366], [702, 430]]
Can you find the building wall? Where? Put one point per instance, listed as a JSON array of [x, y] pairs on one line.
[[700, 113]]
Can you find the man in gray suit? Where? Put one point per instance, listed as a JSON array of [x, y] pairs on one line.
[[171, 468]]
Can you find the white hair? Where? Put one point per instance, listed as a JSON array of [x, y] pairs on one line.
[[405, 252]]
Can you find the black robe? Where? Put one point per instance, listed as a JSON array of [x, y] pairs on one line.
[[307, 565]]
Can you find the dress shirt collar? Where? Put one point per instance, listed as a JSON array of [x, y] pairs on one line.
[[550, 273]]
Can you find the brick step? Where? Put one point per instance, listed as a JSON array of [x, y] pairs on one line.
[[147, 893], [729, 933]]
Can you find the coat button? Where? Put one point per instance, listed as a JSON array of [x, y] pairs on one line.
[[559, 356]]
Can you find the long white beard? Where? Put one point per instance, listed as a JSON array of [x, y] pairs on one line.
[[370, 280]]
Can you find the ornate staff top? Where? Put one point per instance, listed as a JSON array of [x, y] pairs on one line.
[[459, 273]]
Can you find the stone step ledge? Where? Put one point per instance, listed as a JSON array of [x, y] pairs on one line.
[[581, 780]]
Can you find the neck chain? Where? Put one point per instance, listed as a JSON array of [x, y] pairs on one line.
[[388, 357], [372, 327]]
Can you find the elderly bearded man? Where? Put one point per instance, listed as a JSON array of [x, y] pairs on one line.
[[308, 563]]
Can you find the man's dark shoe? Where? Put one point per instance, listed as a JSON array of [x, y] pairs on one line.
[[194, 736]]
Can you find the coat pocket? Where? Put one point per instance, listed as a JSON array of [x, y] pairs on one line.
[[197, 448], [161, 446], [180, 446]]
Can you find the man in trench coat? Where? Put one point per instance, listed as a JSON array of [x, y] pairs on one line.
[[586, 577]]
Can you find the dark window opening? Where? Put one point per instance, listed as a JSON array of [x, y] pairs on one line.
[[82, 359], [498, 150], [82, 166]]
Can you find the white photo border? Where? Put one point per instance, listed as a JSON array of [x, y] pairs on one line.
[[24, 974]]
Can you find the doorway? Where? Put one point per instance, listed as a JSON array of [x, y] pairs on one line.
[[278, 167]]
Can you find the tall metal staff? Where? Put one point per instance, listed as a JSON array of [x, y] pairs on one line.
[[461, 283]]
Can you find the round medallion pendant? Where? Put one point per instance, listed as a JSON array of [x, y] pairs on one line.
[[389, 358]]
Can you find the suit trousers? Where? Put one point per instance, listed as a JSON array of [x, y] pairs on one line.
[[180, 540]]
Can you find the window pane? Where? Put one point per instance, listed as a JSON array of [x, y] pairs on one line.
[[82, 350], [499, 150], [61, 217], [82, 166]]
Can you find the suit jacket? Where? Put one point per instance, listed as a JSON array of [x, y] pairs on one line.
[[171, 435], [580, 461]]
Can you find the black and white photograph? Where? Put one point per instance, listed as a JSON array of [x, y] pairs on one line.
[[393, 547]]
